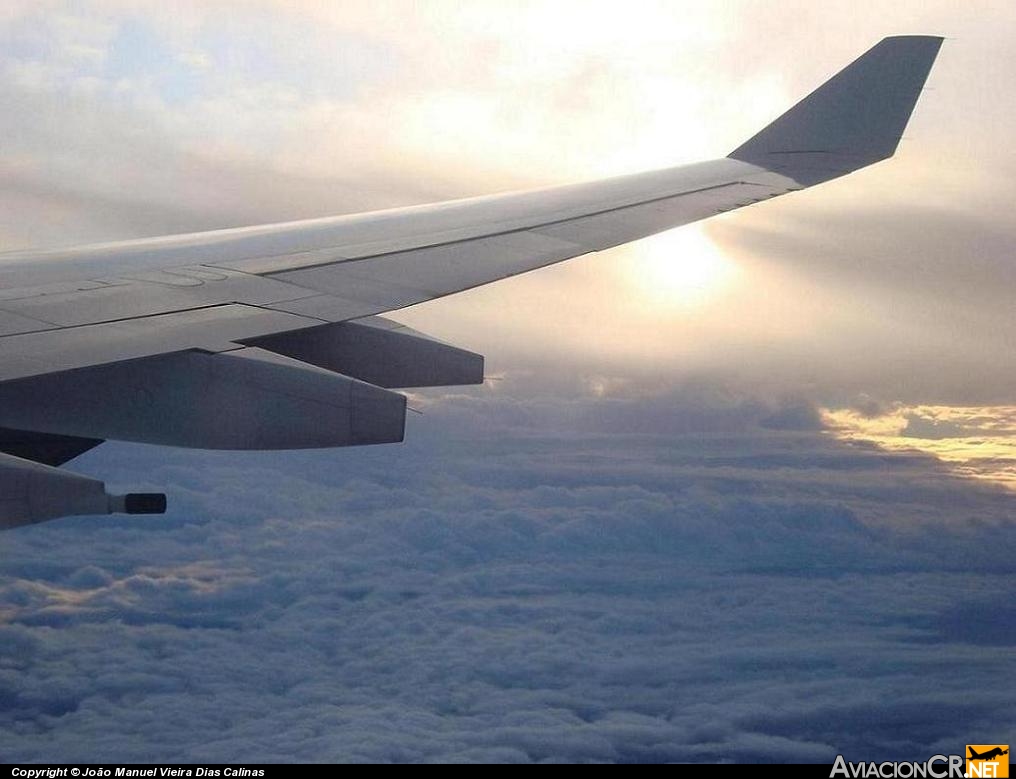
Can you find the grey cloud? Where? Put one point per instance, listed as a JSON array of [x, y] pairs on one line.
[[720, 591]]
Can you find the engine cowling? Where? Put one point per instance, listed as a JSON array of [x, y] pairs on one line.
[[379, 351], [249, 398], [31, 492]]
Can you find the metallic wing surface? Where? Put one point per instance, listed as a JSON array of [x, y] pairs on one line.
[[270, 337]]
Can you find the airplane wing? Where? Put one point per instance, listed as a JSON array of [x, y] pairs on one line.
[[268, 337]]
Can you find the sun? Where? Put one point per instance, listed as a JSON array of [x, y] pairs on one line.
[[680, 268]]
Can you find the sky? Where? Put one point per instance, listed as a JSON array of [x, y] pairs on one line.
[[740, 492]]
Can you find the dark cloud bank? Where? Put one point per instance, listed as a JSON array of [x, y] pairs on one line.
[[693, 577]]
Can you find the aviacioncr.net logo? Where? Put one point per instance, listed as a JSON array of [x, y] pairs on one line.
[[936, 767], [987, 761]]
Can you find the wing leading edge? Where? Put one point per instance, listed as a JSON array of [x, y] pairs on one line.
[[284, 314]]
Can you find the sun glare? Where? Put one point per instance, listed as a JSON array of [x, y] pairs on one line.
[[681, 268]]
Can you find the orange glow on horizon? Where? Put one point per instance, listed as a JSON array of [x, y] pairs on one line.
[[976, 442]]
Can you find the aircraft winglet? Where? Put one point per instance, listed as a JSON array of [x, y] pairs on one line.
[[854, 119]]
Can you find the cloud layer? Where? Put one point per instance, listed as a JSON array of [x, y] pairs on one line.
[[521, 581]]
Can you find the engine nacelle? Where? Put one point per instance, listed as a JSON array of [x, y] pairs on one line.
[[379, 351], [31, 492], [244, 399]]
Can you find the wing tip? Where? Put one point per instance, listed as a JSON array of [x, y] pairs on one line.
[[854, 119]]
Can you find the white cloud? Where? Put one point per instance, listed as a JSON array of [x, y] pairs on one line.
[[520, 581]]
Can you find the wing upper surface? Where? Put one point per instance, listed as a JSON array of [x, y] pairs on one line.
[[345, 268]]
